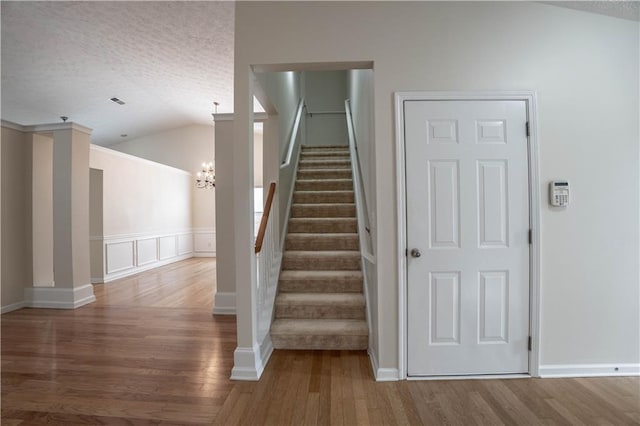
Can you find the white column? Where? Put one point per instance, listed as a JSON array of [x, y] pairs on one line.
[[225, 296], [42, 211], [71, 260], [248, 362]]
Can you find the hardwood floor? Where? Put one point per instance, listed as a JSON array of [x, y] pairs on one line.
[[150, 352]]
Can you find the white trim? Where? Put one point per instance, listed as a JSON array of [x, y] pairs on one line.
[[285, 228], [382, 374], [136, 270], [472, 377], [589, 370], [139, 235], [52, 127], [224, 303], [229, 116], [14, 306], [204, 254], [13, 126], [294, 136], [529, 97], [59, 298], [247, 363]]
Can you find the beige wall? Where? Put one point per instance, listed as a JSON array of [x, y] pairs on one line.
[[140, 196], [185, 148], [584, 68], [16, 219], [325, 91]]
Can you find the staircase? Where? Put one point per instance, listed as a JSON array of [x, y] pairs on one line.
[[320, 304]]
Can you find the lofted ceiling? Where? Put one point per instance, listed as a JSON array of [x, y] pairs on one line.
[[168, 61]]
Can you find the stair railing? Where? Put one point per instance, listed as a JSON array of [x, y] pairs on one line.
[[267, 261], [362, 210], [286, 161], [362, 213], [288, 176]]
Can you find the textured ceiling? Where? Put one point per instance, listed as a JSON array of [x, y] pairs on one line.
[[169, 61], [627, 9]]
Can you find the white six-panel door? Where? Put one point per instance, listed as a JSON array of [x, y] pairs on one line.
[[468, 217]]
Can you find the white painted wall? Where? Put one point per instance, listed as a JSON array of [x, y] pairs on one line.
[[147, 214], [284, 91], [184, 148], [584, 68], [360, 94], [141, 196], [325, 91]]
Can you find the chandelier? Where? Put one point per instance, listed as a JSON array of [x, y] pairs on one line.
[[206, 178]]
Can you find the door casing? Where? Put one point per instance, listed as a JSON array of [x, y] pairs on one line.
[[529, 97]]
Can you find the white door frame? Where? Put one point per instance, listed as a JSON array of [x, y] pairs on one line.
[[529, 98]]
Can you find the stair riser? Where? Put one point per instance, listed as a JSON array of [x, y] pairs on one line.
[[342, 227], [325, 185], [327, 197], [325, 148], [319, 342], [320, 286], [324, 174], [326, 153], [321, 243], [320, 263], [339, 210], [323, 164], [327, 158], [319, 312]]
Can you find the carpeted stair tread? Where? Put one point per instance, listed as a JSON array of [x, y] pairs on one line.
[[323, 224], [321, 281], [340, 299], [326, 153], [321, 242], [319, 327], [322, 197], [323, 210], [323, 184], [325, 334], [324, 147], [321, 260], [336, 173], [320, 306], [320, 302], [324, 163]]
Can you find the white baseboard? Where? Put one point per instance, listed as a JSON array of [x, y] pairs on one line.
[[204, 254], [59, 298], [12, 307], [137, 269], [382, 374], [589, 370], [247, 364], [224, 303]]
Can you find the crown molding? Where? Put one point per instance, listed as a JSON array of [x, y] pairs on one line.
[[228, 116], [43, 128]]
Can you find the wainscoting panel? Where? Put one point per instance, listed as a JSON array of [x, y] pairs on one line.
[[167, 247], [185, 244], [204, 243], [119, 256], [147, 250], [130, 254]]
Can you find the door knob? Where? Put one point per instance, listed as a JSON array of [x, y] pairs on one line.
[[415, 253]]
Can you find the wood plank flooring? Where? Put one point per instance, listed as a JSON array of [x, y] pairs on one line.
[[150, 352]]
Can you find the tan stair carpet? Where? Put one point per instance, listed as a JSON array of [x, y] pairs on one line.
[[320, 302]]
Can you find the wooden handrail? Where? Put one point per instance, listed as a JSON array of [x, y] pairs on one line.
[[265, 217]]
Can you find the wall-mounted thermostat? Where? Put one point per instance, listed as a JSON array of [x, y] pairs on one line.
[[559, 193]]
